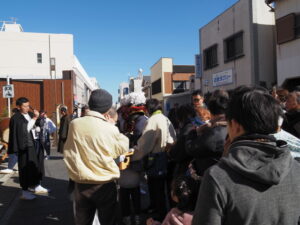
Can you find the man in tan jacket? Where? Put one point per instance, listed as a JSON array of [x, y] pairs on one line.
[[158, 135], [91, 147]]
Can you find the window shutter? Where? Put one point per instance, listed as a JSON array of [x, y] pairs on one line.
[[285, 28]]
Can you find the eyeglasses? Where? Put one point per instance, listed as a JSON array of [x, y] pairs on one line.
[[196, 99]]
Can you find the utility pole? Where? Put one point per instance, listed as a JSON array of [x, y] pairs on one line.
[[8, 99]]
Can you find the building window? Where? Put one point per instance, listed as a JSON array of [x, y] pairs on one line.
[[156, 87], [125, 91], [297, 26], [285, 27], [233, 47], [211, 57], [39, 57], [288, 28], [180, 85]]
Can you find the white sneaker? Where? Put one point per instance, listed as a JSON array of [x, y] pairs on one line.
[[39, 190], [6, 171], [26, 195]]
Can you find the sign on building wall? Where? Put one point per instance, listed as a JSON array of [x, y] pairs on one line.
[[222, 78], [198, 63], [8, 91]]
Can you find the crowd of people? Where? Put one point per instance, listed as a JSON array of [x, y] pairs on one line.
[[236, 151], [226, 158]]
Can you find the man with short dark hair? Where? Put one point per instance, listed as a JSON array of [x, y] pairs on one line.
[[197, 99], [21, 143], [258, 181], [157, 136], [63, 128], [206, 143]]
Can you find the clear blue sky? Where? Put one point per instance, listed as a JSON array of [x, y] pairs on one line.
[[113, 38]]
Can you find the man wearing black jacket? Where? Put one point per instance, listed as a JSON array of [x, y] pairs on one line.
[[63, 128], [292, 123], [258, 181], [206, 144], [21, 143]]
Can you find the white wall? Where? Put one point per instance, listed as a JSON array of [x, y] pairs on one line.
[[233, 20], [18, 55], [258, 62], [264, 22], [18, 59], [288, 54], [83, 74]]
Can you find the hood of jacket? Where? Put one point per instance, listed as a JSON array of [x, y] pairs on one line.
[[260, 158]]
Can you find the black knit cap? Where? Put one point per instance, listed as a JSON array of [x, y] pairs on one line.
[[100, 101]]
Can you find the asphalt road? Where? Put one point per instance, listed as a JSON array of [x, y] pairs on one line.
[[52, 209]]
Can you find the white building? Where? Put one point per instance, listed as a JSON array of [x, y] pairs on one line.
[[287, 14], [123, 90], [39, 56], [237, 47]]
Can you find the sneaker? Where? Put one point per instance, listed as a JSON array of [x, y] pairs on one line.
[[6, 171], [39, 190], [127, 220], [26, 195], [137, 220], [47, 157]]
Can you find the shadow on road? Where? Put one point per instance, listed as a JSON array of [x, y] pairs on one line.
[[55, 208]]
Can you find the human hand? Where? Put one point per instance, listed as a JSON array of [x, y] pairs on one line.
[[36, 114], [151, 221], [176, 219], [193, 172], [122, 158]]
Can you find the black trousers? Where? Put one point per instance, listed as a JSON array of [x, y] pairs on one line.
[[130, 193], [92, 197], [47, 145], [40, 157], [157, 192], [29, 175]]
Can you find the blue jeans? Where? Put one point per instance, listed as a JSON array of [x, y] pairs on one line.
[[12, 161]]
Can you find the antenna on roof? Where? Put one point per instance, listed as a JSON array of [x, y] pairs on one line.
[[13, 20]]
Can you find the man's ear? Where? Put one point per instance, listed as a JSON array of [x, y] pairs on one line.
[[106, 116], [235, 129], [239, 128]]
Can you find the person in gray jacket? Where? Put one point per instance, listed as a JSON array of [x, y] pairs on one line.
[[257, 182]]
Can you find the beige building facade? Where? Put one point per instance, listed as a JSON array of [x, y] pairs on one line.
[[157, 77], [238, 47], [168, 79]]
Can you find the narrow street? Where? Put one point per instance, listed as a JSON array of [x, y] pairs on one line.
[[55, 208]]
